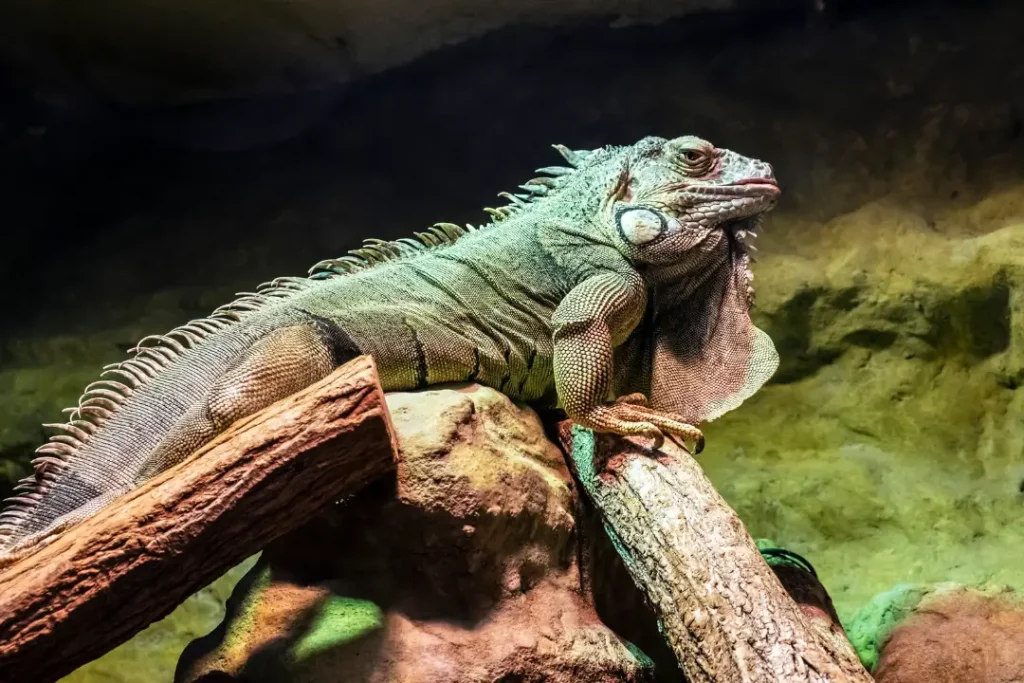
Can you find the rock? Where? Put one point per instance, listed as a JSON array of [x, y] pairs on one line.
[[887, 446], [469, 573], [945, 633], [151, 655]]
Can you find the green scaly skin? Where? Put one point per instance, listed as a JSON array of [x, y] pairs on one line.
[[617, 289]]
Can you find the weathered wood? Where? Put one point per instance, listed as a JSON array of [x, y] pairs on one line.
[[110, 576], [723, 611]]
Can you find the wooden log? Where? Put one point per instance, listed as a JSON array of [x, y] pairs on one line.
[[108, 577], [721, 608]]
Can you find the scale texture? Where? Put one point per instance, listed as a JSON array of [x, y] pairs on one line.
[[617, 288]]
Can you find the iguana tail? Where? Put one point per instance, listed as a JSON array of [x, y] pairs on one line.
[[176, 393]]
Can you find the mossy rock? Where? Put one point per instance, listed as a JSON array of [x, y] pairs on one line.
[[152, 654], [939, 633]]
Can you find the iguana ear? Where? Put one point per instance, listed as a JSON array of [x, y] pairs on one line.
[[706, 357]]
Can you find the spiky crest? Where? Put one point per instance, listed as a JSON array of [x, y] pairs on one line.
[[103, 398], [538, 188]]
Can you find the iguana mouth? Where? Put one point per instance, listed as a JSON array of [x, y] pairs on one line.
[[753, 188], [764, 183], [730, 203]]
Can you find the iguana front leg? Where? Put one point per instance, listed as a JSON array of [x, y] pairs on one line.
[[594, 317]]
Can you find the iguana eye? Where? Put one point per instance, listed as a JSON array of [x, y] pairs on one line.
[[694, 161], [640, 226]]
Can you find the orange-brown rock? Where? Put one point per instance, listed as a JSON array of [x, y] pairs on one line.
[[961, 636], [468, 575]]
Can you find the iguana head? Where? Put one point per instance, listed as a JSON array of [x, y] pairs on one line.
[[676, 200], [681, 202], [679, 211]]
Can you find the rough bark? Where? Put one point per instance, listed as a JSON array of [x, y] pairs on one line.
[[110, 576], [722, 610], [814, 603]]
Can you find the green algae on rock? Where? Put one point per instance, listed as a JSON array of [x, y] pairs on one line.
[[869, 628], [152, 654], [894, 423], [942, 633]]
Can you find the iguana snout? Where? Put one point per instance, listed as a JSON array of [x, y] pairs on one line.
[[678, 201]]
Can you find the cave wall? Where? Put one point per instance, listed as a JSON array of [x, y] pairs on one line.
[[887, 448], [160, 53]]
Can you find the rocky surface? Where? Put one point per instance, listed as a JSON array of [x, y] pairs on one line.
[[895, 419], [469, 573], [920, 633]]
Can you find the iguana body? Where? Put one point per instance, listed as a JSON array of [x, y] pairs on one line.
[[622, 276]]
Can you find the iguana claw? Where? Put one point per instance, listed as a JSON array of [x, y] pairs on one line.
[[678, 431], [698, 444]]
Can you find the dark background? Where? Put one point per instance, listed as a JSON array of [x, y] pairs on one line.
[[102, 203]]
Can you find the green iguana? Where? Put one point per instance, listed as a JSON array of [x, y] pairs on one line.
[[617, 289]]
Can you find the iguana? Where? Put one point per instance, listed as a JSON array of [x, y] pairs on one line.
[[616, 288]]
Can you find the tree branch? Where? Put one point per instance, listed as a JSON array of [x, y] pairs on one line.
[[723, 611]]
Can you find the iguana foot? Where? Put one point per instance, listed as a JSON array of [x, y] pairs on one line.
[[630, 415]]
